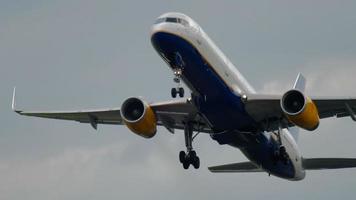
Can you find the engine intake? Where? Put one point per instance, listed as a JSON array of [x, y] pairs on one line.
[[139, 117], [300, 110]]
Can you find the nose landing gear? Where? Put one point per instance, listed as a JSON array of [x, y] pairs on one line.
[[177, 79], [178, 70], [179, 91]]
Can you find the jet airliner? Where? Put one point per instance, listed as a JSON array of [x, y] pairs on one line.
[[222, 104]]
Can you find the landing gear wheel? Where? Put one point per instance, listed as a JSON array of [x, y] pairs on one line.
[[182, 157], [186, 164], [177, 79], [174, 92], [181, 92], [196, 162]]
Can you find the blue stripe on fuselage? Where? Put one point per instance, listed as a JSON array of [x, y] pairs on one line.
[[223, 108], [260, 149]]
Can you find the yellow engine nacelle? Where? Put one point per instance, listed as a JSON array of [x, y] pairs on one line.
[[139, 117], [300, 110]]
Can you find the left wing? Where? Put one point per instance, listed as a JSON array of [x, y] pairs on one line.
[[171, 114], [308, 164], [94, 117], [328, 163]]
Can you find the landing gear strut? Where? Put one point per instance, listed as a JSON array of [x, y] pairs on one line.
[[177, 78], [280, 154], [190, 157]]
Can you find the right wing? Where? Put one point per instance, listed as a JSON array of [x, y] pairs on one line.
[[171, 114]]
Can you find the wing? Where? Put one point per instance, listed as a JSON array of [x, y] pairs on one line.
[[94, 117], [236, 168], [267, 108], [170, 114], [328, 163], [174, 114]]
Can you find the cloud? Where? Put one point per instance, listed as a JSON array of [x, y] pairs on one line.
[[327, 77]]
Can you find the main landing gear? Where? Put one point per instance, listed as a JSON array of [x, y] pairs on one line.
[[177, 78], [280, 154], [190, 157]]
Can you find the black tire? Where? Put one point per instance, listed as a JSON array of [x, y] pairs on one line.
[[196, 162], [181, 92], [192, 154], [174, 92], [186, 164], [192, 157], [182, 157]]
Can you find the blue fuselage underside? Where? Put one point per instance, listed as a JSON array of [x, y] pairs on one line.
[[216, 101]]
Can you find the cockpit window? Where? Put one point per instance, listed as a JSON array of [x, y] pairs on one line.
[[172, 20], [160, 20]]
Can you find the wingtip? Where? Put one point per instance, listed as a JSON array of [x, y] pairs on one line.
[[300, 82], [300, 75], [13, 105], [13, 99]]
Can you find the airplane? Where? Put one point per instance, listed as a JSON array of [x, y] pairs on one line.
[[222, 104]]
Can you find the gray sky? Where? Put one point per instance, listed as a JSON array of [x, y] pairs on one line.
[[77, 54]]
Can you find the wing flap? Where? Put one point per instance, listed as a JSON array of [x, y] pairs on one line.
[[236, 168], [328, 163]]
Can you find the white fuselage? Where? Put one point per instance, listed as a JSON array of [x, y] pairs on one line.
[[233, 79]]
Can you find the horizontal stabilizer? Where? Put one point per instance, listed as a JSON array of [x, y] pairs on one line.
[[236, 168], [328, 163]]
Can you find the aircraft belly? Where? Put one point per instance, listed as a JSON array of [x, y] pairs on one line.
[[223, 108], [260, 150]]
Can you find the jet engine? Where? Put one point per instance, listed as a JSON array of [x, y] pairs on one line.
[[139, 117], [300, 110]]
